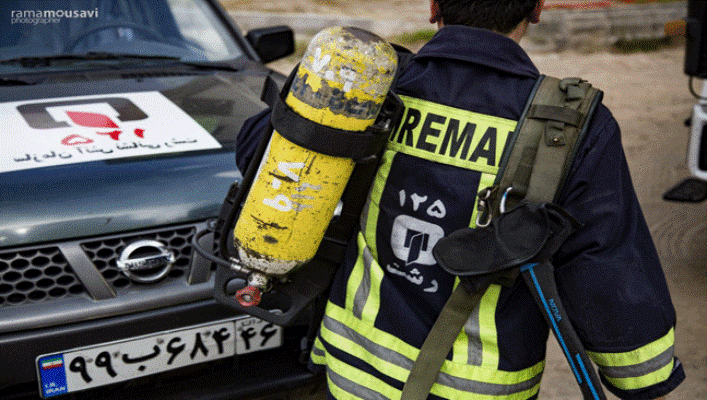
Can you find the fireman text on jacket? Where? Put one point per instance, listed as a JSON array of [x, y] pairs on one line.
[[451, 135]]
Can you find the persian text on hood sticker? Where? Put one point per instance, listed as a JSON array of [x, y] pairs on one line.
[[49, 132]]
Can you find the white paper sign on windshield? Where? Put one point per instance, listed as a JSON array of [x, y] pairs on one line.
[[68, 130]]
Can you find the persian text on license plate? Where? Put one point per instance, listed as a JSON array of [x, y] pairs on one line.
[[132, 358]]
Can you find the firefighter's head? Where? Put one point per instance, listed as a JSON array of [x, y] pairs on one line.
[[502, 16]]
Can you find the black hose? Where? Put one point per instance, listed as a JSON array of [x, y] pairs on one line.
[[206, 254]]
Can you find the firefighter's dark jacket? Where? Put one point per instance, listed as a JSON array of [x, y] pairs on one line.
[[463, 92]]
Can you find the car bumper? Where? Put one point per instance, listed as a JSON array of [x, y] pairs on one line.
[[267, 374]]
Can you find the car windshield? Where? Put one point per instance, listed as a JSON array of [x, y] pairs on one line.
[[63, 33]]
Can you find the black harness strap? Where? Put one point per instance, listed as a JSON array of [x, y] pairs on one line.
[[356, 145]]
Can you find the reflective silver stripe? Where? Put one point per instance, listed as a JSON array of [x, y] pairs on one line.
[[473, 334], [485, 388], [365, 287], [353, 388], [393, 357], [364, 215], [644, 368], [377, 350]]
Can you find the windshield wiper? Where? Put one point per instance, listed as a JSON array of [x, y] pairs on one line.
[[30, 62], [4, 81], [236, 65]]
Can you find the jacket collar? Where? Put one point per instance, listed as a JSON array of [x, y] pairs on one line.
[[479, 46]]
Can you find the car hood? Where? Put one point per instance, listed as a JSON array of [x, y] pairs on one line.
[[85, 188]]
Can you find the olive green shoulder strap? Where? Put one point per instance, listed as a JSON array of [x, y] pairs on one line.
[[546, 141]]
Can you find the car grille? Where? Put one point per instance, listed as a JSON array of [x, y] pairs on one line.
[[36, 275], [43, 273]]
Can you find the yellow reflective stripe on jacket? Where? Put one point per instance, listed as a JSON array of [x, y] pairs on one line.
[[487, 180], [369, 218], [395, 358], [477, 343], [631, 383], [358, 285], [343, 387], [640, 368], [317, 355], [363, 286], [467, 348], [487, 323]]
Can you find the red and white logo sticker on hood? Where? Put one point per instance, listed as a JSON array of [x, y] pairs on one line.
[[90, 128]]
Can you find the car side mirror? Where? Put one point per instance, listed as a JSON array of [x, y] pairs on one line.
[[272, 43]]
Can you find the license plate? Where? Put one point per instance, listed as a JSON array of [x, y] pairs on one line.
[[108, 363]]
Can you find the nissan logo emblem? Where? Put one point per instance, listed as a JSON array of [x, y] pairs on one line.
[[146, 261]]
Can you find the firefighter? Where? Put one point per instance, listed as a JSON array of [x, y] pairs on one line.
[[464, 93]]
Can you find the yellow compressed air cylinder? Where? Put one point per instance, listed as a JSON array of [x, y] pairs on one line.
[[342, 82]]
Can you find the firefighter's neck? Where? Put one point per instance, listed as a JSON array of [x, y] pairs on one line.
[[516, 34]]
